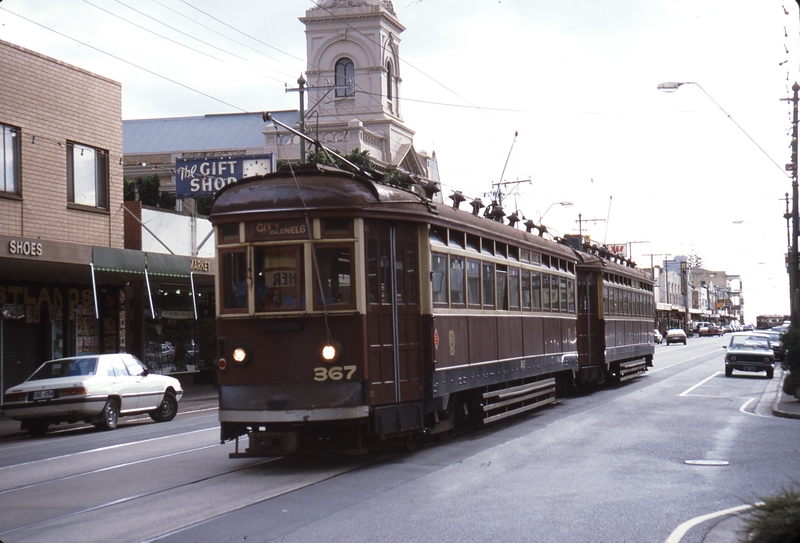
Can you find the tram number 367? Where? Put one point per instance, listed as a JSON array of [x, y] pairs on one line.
[[334, 373]]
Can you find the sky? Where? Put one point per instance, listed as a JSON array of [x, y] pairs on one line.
[[699, 170]]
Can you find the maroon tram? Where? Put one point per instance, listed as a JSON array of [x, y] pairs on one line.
[[352, 311]]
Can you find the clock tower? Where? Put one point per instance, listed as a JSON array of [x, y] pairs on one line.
[[353, 83]]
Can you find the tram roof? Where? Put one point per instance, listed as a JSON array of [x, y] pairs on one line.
[[327, 191]]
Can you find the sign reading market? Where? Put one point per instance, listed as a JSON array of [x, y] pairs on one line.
[[201, 177]]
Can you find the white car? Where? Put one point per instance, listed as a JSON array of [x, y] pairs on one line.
[[676, 335], [97, 389]]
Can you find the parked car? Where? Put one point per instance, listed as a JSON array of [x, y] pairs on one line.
[[749, 351], [747, 328], [776, 344], [97, 389], [710, 329], [676, 335], [657, 337]]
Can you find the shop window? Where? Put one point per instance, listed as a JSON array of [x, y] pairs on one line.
[[279, 275], [345, 78], [335, 266], [233, 281], [9, 153], [439, 278], [457, 294], [87, 176]]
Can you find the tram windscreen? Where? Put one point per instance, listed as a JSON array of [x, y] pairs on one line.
[[279, 278]]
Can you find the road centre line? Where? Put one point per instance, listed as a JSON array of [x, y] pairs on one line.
[[680, 531], [109, 448], [701, 383]]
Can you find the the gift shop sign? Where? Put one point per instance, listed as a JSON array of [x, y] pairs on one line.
[[202, 177]]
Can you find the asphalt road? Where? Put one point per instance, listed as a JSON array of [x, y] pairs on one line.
[[627, 463]]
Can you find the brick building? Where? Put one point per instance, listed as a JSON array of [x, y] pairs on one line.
[[68, 284]]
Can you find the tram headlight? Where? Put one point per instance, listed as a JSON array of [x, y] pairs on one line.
[[330, 351], [242, 353]]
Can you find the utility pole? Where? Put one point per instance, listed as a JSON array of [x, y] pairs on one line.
[[581, 220], [652, 268], [792, 167]]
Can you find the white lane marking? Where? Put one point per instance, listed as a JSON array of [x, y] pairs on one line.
[[701, 383], [680, 531], [110, 447], [108, 468]]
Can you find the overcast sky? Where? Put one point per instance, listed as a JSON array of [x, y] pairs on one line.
[[668, 173]]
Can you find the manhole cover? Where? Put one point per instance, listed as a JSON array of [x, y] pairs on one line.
[[706, 462]]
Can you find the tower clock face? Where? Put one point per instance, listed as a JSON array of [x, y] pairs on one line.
[[258, 166]]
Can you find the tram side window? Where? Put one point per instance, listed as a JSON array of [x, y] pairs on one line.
[[571, 295], [279, 278], [536, 290], [411, 272], [545, 292], [501, 278], [563, 294], [233, 280], [439, 278], [526, 290], [335, 266], [457, 294], [474, 283], [487, 280], [513, 288]]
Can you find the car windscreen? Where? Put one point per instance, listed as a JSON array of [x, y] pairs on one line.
[[750, 342], [68, 367]]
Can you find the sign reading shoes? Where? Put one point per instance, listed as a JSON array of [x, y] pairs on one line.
[[25, 248]]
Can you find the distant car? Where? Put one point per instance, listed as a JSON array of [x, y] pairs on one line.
[[676, 335], [749, 351], [97, 389], [747, 328], [657, 337], [709, 329], [776, 343]]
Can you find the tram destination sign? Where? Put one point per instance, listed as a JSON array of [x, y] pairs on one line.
[[204, 176], [274, 230]]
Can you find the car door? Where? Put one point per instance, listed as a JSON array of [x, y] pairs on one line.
[[150, 389], [124, 385]]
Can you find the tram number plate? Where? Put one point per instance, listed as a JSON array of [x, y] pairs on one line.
[[43, 394], [334, 373]]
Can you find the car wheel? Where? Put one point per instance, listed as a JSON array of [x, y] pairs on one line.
[[728, 371], [109, 416], [684, 342], [770, 374], [166, 410], [38, 428]]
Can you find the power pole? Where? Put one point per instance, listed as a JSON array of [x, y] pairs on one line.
[[792, 167]]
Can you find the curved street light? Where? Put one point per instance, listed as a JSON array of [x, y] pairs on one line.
[[563, 204]]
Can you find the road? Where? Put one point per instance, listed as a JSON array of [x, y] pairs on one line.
[[627, 463]]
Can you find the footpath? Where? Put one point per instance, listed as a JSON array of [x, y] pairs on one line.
[[729, 528]]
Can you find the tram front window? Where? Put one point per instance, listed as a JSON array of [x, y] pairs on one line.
[[279, 278], [234, 280], [335, 265]]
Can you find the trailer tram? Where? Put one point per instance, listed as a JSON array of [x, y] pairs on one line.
[[353, 312]]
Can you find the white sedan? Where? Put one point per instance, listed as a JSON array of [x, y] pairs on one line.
[[97, 389]]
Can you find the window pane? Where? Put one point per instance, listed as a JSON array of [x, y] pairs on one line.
[[372, 272], [336, 274], [385, 273], [546, 292], [401, 276], [234, 280], [474, 282], [487, 277], [457, 295], [513, 288], [536, 290], [571, 295], [279, 278], [83, 172], [501, 278], [526, 289], [562, 293], [411, 272], [9, 139], [439, 277]]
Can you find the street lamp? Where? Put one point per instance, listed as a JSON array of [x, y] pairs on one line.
[[563, 204]]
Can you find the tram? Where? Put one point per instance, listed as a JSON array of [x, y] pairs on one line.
[[353, 312]]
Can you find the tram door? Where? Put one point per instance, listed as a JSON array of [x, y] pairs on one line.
[[394, 325], [590, 327]]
